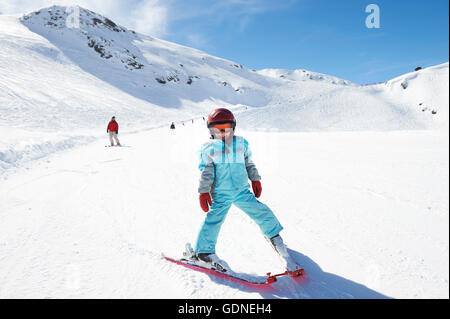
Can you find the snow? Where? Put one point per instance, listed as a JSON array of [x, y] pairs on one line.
[[357, 175], [427, 90], [373, 223]]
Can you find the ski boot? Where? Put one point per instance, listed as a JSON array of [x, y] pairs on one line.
[[207, 260], [212, 261], [292, 268]]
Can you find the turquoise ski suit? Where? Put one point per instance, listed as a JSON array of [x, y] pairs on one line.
[[225, 170]]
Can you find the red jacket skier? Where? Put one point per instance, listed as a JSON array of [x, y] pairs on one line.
[[113, 126], [113, 130]]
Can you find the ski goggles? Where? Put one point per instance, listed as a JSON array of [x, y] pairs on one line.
[[219, 128]]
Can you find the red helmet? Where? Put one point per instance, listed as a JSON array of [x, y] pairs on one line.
[[221, 116]]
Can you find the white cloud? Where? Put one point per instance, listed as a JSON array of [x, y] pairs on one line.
[[150, 17]]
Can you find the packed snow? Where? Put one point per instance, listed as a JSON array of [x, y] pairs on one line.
[[357, 175]]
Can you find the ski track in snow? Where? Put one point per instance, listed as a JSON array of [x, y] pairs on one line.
[[94, 222]]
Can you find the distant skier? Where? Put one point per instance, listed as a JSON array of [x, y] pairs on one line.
[[113, 130], [172, 126], [226, 165]]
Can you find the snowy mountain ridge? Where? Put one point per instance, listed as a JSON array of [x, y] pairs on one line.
[[303, 75], [59, 18], [164, 76], [55, 77], [154, 62], [426, 90]]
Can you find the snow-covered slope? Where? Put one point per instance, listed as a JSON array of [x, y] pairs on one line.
[[331, 104], [426, 91], [302, 75], [156, 71], [365, 214]]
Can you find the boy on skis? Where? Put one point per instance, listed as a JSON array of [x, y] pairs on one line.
[[226, 165], [113, 130]]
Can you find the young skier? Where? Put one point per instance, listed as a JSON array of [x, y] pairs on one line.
[[113, 130], [226, 165]]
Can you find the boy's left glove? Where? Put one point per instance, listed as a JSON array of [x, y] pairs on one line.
[[257, 188], [205, 199]]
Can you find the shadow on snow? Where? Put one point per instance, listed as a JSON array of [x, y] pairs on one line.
[[316, 284]]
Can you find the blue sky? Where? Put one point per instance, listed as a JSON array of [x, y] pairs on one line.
[[324, 36], [327, 36]]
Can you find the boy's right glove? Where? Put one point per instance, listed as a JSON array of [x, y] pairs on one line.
[[257, 188], [205, 199]]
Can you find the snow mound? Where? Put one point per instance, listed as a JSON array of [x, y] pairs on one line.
[[417, 100], [23, 146], [303, 75], [426, 91]]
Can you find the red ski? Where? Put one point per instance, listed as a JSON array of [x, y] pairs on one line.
[[260, 283]]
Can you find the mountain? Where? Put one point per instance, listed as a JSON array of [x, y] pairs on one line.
[[99, 68], [162, 76], [60, 74]]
